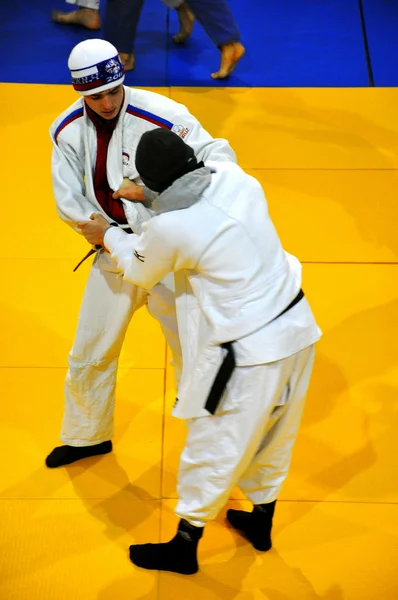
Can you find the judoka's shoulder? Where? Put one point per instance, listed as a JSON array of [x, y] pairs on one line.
[[223, 166], [233, 172], [70, 116], [167, 227], [158, 223], [152, 101]]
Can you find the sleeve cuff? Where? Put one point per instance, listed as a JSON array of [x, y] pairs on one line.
[[113, 236]]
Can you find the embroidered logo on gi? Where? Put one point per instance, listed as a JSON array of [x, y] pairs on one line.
[[139, 256], [112, 66], [180, 130], [126, 158]]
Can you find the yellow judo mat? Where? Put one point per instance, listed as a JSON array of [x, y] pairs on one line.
[[328, 161]]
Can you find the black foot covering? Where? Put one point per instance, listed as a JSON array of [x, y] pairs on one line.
[[179, 555], [66, 455], [255, 526]]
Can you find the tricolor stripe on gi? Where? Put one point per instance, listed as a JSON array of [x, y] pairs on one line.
[[69, 119], [147, 116]]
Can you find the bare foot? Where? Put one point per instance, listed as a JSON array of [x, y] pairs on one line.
[[230, 55], [87, 17], [186, 19], [128, 61]]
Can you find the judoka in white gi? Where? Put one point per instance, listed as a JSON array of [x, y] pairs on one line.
[[247, 334], [94, 146]]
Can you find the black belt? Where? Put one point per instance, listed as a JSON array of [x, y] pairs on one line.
[[222, 378], [228, 365], [98, 247], [295, 301]]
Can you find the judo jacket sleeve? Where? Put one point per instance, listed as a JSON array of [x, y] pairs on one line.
[[144, 259], [68, 184]]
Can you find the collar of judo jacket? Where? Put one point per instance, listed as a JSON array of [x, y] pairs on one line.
[[184, 192]]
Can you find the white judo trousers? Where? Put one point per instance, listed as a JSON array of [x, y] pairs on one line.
[[108, 305], [95, 4], [248, 442]]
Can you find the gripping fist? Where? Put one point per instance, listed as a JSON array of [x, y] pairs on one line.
[[130, 191], [93, 230]]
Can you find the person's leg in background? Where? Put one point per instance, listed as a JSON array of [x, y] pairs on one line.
[[185, 18], [217, 20], [120, 27], [86, 14]]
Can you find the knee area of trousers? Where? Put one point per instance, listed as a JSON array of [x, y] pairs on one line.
[[85, 364]]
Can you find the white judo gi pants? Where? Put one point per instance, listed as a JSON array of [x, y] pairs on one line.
[[108, 305], [248, 442], [95, 4]]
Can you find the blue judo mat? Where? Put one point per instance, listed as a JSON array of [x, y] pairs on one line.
[[289, 43]]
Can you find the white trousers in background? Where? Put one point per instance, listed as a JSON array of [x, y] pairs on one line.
[[248, 442], [108, 305], [85, 3], [96, 3]]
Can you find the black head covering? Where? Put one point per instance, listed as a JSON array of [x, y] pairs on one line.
[[162, 157]]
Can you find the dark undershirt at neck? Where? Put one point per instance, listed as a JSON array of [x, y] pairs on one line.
[[103, 192]]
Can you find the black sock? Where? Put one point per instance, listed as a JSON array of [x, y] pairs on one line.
[[178, 555], [255, 526], [65, 455]]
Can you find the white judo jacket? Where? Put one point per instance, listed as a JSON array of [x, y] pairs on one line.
[[233, 278], [75, 148]]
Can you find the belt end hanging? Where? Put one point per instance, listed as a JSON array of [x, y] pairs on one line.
[[90, 253]]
